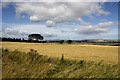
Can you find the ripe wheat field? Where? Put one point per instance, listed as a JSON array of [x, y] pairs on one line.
[[107, 54]]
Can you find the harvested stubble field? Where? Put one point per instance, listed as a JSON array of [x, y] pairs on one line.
[[97, 53]]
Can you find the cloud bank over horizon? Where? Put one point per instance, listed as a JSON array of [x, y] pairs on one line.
[[56, 20]]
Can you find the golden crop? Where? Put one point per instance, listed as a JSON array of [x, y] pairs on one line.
[[108, 54]]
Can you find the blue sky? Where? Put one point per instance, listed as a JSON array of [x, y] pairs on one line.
[[61, 20]]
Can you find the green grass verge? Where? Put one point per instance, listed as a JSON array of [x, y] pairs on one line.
[[17, 64]]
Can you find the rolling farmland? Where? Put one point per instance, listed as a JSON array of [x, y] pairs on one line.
[[97, 53]]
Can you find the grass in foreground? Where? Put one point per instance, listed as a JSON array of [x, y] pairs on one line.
[[17, 64]]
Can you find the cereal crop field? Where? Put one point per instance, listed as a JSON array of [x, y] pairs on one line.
[[97, 53]]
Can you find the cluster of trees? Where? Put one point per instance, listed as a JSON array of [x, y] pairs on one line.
[[67, 41], [31, 38], [13, 39], [34, 38]]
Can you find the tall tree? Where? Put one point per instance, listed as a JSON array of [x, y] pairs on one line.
[[35, 37]]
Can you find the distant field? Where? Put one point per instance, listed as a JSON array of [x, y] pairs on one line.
[[107, 54]]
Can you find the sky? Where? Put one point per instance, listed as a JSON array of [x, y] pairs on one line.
[[60, 20]]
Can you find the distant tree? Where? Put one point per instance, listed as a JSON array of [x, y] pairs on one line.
[[35, 37], [69, 41], [0, 39], [62, 41]]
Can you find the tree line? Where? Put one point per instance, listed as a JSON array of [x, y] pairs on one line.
[[34, 38], [37, 41], [37, 38]]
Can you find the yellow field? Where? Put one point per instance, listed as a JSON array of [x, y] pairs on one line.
[[108, 54]]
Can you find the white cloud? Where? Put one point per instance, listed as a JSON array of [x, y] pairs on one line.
[[100, 28], [60, 1], [22, 31], [88, 32], [57, 0], [50, 23], [102, 12], [83, 22], [58, 12], [4, 4], [13, 32], [48, 34], [34, 18], [104, 24]]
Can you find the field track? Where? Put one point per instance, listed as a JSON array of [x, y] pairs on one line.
[[107, 54]]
